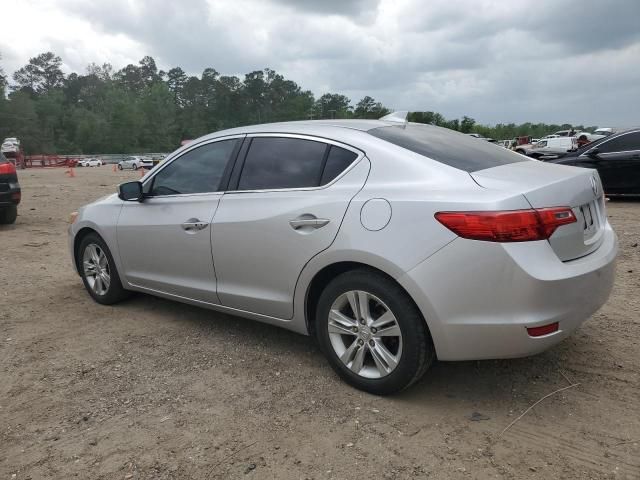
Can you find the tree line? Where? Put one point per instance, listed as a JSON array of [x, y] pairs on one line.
[[141, 108]]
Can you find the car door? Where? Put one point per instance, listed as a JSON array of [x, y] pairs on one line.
[[617, 161], [288, 196], [164, 241]]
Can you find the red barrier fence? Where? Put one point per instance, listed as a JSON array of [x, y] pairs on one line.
[[33, 161]]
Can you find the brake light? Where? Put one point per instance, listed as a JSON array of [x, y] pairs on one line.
[[507, 226], [7, 168]]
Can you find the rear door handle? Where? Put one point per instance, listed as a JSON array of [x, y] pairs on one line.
[[308, 222], [193, 225]]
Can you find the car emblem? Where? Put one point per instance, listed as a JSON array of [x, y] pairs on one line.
[[594, 185]]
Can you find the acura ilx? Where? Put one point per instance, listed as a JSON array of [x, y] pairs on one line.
[[393, 243]]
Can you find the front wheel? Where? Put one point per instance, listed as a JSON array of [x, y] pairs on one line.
[[372, 333], [135, 166], [98, 271], [119, 166]]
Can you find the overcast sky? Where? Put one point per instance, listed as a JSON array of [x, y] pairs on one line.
[[497, 61]]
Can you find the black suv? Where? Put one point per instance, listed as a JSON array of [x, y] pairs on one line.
[[9, 191]]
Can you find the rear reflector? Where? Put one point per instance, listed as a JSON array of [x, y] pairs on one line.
[[543, 330], [507, 226]]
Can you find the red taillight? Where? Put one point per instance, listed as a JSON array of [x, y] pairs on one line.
[[507, 226], [543, 330], [6, 168]]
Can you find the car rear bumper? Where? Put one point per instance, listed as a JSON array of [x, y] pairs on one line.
[[479, 298], [10, 197]]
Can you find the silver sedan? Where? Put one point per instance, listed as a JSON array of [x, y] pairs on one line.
[[392, 243]]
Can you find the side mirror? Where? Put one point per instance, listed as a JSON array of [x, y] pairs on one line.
[[593, 153], [130, 191]]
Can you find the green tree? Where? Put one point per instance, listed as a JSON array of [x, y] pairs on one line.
[[369, 108], [41, 74], [333, 105]]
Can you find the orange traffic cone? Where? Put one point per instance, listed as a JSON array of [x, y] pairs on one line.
[[115, 168], [142, 172]]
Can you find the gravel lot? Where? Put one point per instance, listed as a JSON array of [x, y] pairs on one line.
[[155, 389]]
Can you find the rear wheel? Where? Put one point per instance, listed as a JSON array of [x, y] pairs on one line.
[[98, 271], [372, 333], [135, 166], [8, 215], [119, 166]]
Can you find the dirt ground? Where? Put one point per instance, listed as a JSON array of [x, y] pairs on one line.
[[155, 389]]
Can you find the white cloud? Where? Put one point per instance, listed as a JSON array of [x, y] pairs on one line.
[[560, 61]]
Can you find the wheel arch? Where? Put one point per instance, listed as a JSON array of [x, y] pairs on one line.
[[322, 278], [77, 239]]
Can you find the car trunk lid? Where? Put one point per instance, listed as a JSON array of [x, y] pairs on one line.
[[549, 185]]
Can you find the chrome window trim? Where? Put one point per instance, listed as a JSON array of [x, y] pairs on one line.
[[586, 154], [360, 155], [178, 154]]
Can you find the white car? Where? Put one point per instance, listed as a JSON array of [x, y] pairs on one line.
[[135, 162], [90, 162], [549, 146], [10, 145]]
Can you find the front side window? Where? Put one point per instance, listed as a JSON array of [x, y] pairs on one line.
[[198, 171], [279, 162], [623, 143]]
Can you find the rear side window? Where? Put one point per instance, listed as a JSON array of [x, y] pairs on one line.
[[337, 162], [274, 162], [198, 171], [449, 147], [623, 143]]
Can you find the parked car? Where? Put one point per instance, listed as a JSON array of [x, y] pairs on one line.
[[615, 157], [392, 243], [549, 146], [135, 163], [90, 162], [10, 193], [603, 131], [10, 145]]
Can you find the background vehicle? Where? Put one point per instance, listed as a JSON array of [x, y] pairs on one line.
[[549, 146], [604, 131], [10, 193], [365, 234], [10, 145], [135, 163], [615, 157], [90, 162]]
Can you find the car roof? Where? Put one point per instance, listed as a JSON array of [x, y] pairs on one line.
[[304, 126]]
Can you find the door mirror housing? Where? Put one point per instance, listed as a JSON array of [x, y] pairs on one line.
[[130, 191], [593, 153]]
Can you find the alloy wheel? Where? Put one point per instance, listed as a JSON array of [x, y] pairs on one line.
[[365, 334], [96, 269]]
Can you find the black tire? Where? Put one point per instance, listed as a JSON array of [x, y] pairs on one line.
[[135, 166], [119, 167], [8, 215], [115, 292], [417, 353]]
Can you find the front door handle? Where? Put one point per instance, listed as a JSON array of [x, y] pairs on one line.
[[193, 225], [308, 222]]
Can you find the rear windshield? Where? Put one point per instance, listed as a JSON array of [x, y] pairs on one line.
[[449, 147]]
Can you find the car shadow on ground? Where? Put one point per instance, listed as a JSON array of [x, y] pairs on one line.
[[467, 383]]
